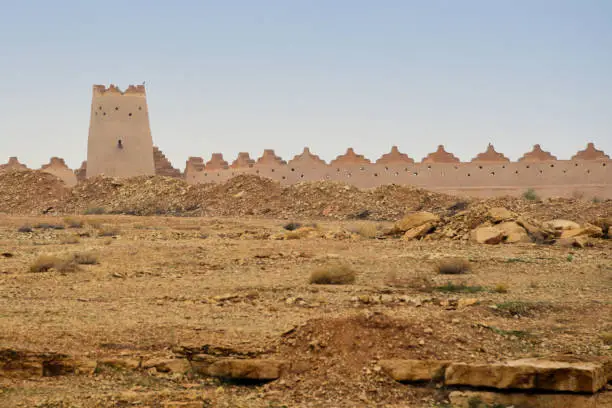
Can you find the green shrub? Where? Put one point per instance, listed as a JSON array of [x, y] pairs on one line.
[[530, 195]]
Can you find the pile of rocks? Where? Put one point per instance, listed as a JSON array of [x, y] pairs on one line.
[[30, 192], [501, 225]]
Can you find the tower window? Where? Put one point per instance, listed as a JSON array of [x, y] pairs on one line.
[[130, 114], [119, 144], [116, 108]]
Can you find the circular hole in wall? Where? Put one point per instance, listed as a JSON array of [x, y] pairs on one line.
[[415, 173], [396, 173], [301, 176], [375, 174], [255, 172], [103, 113], [140, 108], [130, 114], [284, 177], [588, 171], [540, 171], [116, 108], [516, 172], [492, 173], [552, 165], [527, 166], [386, 168], [469, 175], [292, 169], [338, 170], [272, 170], [576, 165], [480, 167], [429, 166], [603, 164]]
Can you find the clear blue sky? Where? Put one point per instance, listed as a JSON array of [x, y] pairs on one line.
[[245, 75]]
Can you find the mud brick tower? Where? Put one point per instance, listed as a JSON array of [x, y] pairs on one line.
[[120, 142]]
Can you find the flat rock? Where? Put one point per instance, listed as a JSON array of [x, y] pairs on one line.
[[588, 230], [580, 241], [419, 232], [560, 225], [486, 399], [174, 365], [415, 370], [253, 369], [415, 220], [500, 214], [533, 374], [487, 235], [120, 363]]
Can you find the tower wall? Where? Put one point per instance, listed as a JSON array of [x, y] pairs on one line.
[[120, 142]]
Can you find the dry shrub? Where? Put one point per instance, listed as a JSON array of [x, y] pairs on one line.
[[46, 225], [86, 258], [45, 263], [73, 222], [333, 275], [25, 228], [607, 338], [108, 231], [453, 266], [521, 308], [420, 282], [501, 288], [69, 239]]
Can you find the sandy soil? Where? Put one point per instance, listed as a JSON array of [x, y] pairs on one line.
[[167, 283]]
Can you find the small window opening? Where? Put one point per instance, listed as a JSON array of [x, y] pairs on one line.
[[119, 144]]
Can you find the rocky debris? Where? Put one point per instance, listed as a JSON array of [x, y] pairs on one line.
[[500, 214], [532, 374], [575, 242], [487, 235], [120, 363], [485, 399], [420, 231], [253, 370], [31, 192], [415, 370]]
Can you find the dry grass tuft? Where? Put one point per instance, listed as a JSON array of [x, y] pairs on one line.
[[69, 239], [333, 275], [86, 258], [501, 288], [72, 222], [302, 232], [453, 266], [521, 308], [109, 231], [607, 338], [45, 263]]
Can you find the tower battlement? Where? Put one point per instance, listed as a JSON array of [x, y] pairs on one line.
[[132, 90]]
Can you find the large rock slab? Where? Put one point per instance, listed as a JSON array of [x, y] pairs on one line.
[[253, 369], [487, 235], [415, 220], [561, 225], [532, 374], [513, 232], [588, 230], [486, 399], [415, 370]]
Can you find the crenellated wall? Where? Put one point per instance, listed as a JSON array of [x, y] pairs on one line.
[[489, 173]]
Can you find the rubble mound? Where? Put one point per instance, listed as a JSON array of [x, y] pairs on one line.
[[144, 195], [30, 192]]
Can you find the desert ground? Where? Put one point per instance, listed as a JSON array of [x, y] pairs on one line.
[[108, 310]]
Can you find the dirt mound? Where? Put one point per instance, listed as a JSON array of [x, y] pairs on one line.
[[30, 192], [144, 195]]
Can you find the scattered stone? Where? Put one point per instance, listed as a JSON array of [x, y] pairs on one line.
[[532, 374], [580, 241], [487, 235], [175, 366], [120, 363], [415, 370]]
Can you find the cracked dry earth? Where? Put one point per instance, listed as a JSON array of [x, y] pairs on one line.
[[165, 285]]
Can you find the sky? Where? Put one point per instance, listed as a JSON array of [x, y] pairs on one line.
[[244, 75]]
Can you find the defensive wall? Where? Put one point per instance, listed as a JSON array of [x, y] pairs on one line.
[[120, 145]]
